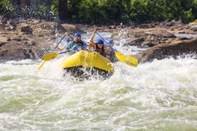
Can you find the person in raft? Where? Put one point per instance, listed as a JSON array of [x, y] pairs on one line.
[[98, 46], [110, 51], [68, 39], [76, 45]]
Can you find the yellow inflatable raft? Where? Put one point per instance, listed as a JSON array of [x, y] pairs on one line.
[[85, 64]]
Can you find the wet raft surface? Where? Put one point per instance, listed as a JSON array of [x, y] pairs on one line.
[[87, 65]]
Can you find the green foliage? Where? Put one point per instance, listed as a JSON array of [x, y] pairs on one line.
[[41, 10], [54, 7], [114, 11], [194, 9], [195, 21], [7, 9], [187, 16], [4, 5]]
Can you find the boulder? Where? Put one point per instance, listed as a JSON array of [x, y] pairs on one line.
[[29, 39], [174, 49]]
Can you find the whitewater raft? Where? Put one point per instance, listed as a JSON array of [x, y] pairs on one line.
[[87, 64]]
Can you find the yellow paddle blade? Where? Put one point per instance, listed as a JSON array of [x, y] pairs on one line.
[[47, 57], [50, 56], [120, 57], [132, 61], [41, 65]]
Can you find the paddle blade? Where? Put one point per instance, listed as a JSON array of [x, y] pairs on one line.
[[50, 56], [120, 57], [132, 61], [41, 65]]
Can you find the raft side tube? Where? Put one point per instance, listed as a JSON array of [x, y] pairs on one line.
[[87, 59]]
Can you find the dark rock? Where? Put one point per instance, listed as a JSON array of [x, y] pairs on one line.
[[27, 30], [174, 49]]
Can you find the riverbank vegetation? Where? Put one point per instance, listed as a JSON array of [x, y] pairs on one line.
[[106, 11]]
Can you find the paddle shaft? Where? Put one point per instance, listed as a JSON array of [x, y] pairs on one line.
[[101, 37], [44, 61], [41, 65], [59, 42]]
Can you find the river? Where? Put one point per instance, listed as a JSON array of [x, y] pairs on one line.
[[155, 96]]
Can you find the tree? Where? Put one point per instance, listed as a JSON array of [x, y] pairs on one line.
[[63, 9], [24, 4]]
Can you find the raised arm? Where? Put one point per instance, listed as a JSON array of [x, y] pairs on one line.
[[92, 44], [66, 33]]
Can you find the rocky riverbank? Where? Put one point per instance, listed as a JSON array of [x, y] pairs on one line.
[[30, 39]]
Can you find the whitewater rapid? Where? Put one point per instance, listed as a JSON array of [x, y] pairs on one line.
[[155, 96]]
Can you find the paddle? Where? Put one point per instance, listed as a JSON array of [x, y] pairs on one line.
[[51, 55], [132, 61]]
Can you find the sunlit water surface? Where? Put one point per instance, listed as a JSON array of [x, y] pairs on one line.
[[155, 96]]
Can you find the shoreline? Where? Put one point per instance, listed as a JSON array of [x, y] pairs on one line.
[[32, 38]]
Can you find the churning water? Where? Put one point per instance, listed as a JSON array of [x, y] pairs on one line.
[[155, 96]]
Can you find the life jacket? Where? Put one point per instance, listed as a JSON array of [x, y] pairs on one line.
[[110, 54], [74, 47], [101, 51]]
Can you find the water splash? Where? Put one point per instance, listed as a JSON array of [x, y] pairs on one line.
[[154, 96]]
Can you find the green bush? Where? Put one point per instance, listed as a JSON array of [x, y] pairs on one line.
[[111, 11]]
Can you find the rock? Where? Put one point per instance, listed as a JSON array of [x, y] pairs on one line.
[[32, 38], [147, 44], [35, 21], [28, 39], [174, 49], [112, 27], [194, 28], [3, 39], [27, 30], [181, 32], [43, 32], [71, 28]]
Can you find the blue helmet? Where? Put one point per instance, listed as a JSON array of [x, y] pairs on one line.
[[100, 41], [77, 35], [110, 41], [67, 38]]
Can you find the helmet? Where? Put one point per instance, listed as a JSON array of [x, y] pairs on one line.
[[100, 41], [67, 38], [71, 36], [77, 35], [110, 41]]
